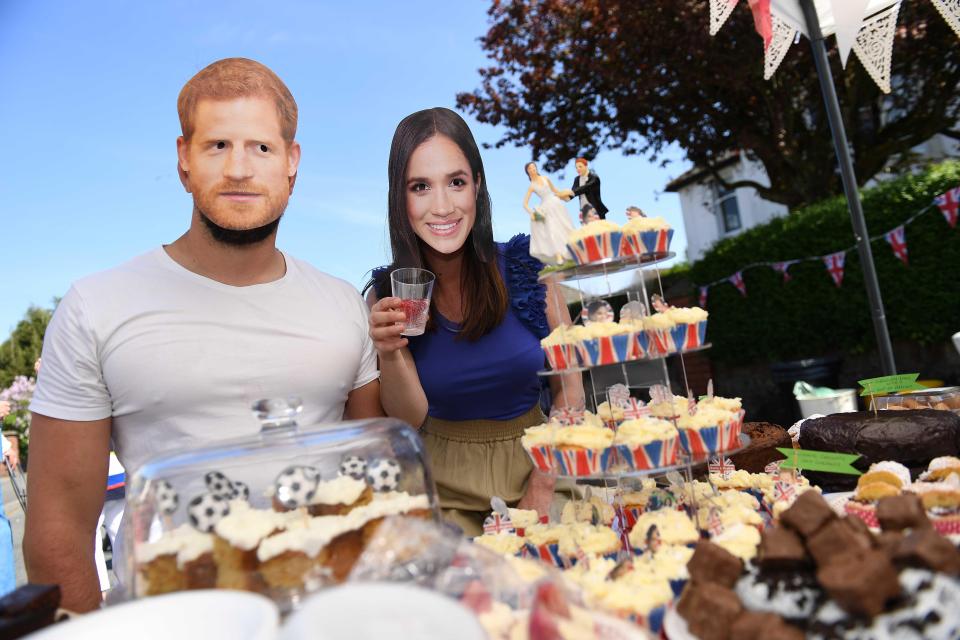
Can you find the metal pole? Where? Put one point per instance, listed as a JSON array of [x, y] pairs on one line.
[[850, 187]]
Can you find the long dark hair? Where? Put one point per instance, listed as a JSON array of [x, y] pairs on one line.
[[483, 291]]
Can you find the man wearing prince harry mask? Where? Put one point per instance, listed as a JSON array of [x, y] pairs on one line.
[[167, 351]]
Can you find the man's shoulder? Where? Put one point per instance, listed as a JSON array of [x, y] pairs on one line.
[[322, 279], [139, 267]]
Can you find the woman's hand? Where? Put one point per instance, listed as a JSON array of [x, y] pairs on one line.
[[386, 322], [539, 494]]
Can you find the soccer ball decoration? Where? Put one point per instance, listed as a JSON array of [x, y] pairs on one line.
[[353, 466], [218, 484], [206, 510], [167, 498], [240, 490], [296, 486], [384, 475]]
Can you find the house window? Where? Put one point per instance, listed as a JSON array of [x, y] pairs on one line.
[[728, 209]]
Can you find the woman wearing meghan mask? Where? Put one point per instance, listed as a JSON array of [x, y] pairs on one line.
[[470, 381]]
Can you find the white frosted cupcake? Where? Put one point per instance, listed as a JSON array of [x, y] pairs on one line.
[[647, 443], [594, 242]]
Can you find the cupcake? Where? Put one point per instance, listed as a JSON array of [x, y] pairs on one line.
[[610, 416], [589, 539], [297, 557], [542, 543], [669, 410], [646, 236], [643, 603], [669, 563], [237, 537], [882, 480], [690, 327], [647, 443], [594, 509], [583, 449], [649, 498], [605, 343], [503, 543], [674, 528], [339, 496], [180, 559], [659, 329], [560, 347], [708, 432], [594, 242], [739, 539], [523, 518], [538, 442], [941, 468]]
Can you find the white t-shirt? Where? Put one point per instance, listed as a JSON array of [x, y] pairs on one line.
[[177, 359]]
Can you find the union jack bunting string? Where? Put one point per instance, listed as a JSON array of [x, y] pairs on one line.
[[898, 242], [948, 204], [737, 281], [834, 262], [567, 415], [773, 469], [783, 491], [714, 523], [635, 410], [497, 523], [721, 466]]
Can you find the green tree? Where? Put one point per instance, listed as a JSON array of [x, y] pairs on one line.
[[22, 349]]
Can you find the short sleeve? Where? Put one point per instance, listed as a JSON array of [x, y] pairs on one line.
[[70, 383], [528, 296], [367, 371]]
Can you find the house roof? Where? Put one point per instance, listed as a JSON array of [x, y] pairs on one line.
[[697, 173]]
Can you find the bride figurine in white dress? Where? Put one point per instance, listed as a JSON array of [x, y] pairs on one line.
[[549, 222]]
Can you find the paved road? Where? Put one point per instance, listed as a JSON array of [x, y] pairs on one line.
[[12, 508]]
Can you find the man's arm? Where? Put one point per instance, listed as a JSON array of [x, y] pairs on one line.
[[364, 402], [68, 479], [592, 179]]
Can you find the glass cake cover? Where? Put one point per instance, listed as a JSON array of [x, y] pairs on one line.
[[281, 513]]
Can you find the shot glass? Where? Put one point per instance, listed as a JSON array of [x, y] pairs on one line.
[[413, 287]]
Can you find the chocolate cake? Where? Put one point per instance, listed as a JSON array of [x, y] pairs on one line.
[[912, 438], [765, 437]]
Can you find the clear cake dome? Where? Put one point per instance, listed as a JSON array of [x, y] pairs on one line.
[[282, 513]]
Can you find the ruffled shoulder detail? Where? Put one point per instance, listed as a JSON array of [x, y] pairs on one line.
[[378, 281], [528, 297]]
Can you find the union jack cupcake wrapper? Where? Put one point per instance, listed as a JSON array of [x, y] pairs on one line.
[[653, 620], [605, 350], [653, 455], [641, 345], [677, 585], [705, 442], [660, 342], [562, 356], [582, 462], [646, 242], [596, 248], [542, 457], [549, 553], [689, 336]]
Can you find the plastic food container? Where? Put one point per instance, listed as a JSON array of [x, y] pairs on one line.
[[281, 514], [942, 398]]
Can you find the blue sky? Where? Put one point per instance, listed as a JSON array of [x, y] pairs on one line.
[[88, 177]]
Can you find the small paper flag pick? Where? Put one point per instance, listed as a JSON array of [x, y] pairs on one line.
[[721, 466], [497, 523], [567, 415], [703, 297], [834, 263], [773, 468], [737, 281], [784, 268], [635, 410], [783, 491], [619, 395], [898, 242], [710, 388], [714, 523], [948, 204]]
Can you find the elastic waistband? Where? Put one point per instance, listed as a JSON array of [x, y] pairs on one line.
[[483, 430]]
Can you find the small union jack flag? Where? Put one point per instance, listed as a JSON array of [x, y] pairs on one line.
[[498, 523], [783, 491], [721, 466], [714, 523], [773, 469], [834, 263], [567, 415], [949, 203], [784, 268], [703, 296], [898, 242], [737, 281], [635, 410]]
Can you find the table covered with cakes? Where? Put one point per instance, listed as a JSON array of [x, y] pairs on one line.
[[675, 516]]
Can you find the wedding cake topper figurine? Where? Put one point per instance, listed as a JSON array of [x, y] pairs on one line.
[[587, 186], [549, 221]]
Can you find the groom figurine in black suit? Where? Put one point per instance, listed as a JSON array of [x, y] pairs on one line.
[[587, 186]]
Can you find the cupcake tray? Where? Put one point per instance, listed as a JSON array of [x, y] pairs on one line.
[[617, 471], [608, 266], [560, 372]]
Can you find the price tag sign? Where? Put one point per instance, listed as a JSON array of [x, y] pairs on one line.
[[890, 384], [819, 461]]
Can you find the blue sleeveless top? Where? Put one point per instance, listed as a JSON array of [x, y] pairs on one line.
[[495, 377]]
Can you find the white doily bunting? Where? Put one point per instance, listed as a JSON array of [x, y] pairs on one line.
[[949, 9], [783, 37], [720, 10], [874, 45]]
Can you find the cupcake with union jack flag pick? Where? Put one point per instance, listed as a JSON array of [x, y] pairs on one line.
[[659, 329], [647, 443], [583, 447], [605, 343], [594, 242], [707, 432], [560, 347], [690, 327], [646, 236], [538, 441]]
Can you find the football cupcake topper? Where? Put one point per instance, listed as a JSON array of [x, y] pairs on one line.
[[384, 475], [206, 510], [296, 486], [353, 466], [218, 484], [240, 490], [167, 498]]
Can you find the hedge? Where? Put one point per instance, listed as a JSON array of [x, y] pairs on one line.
[[809, 316]]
